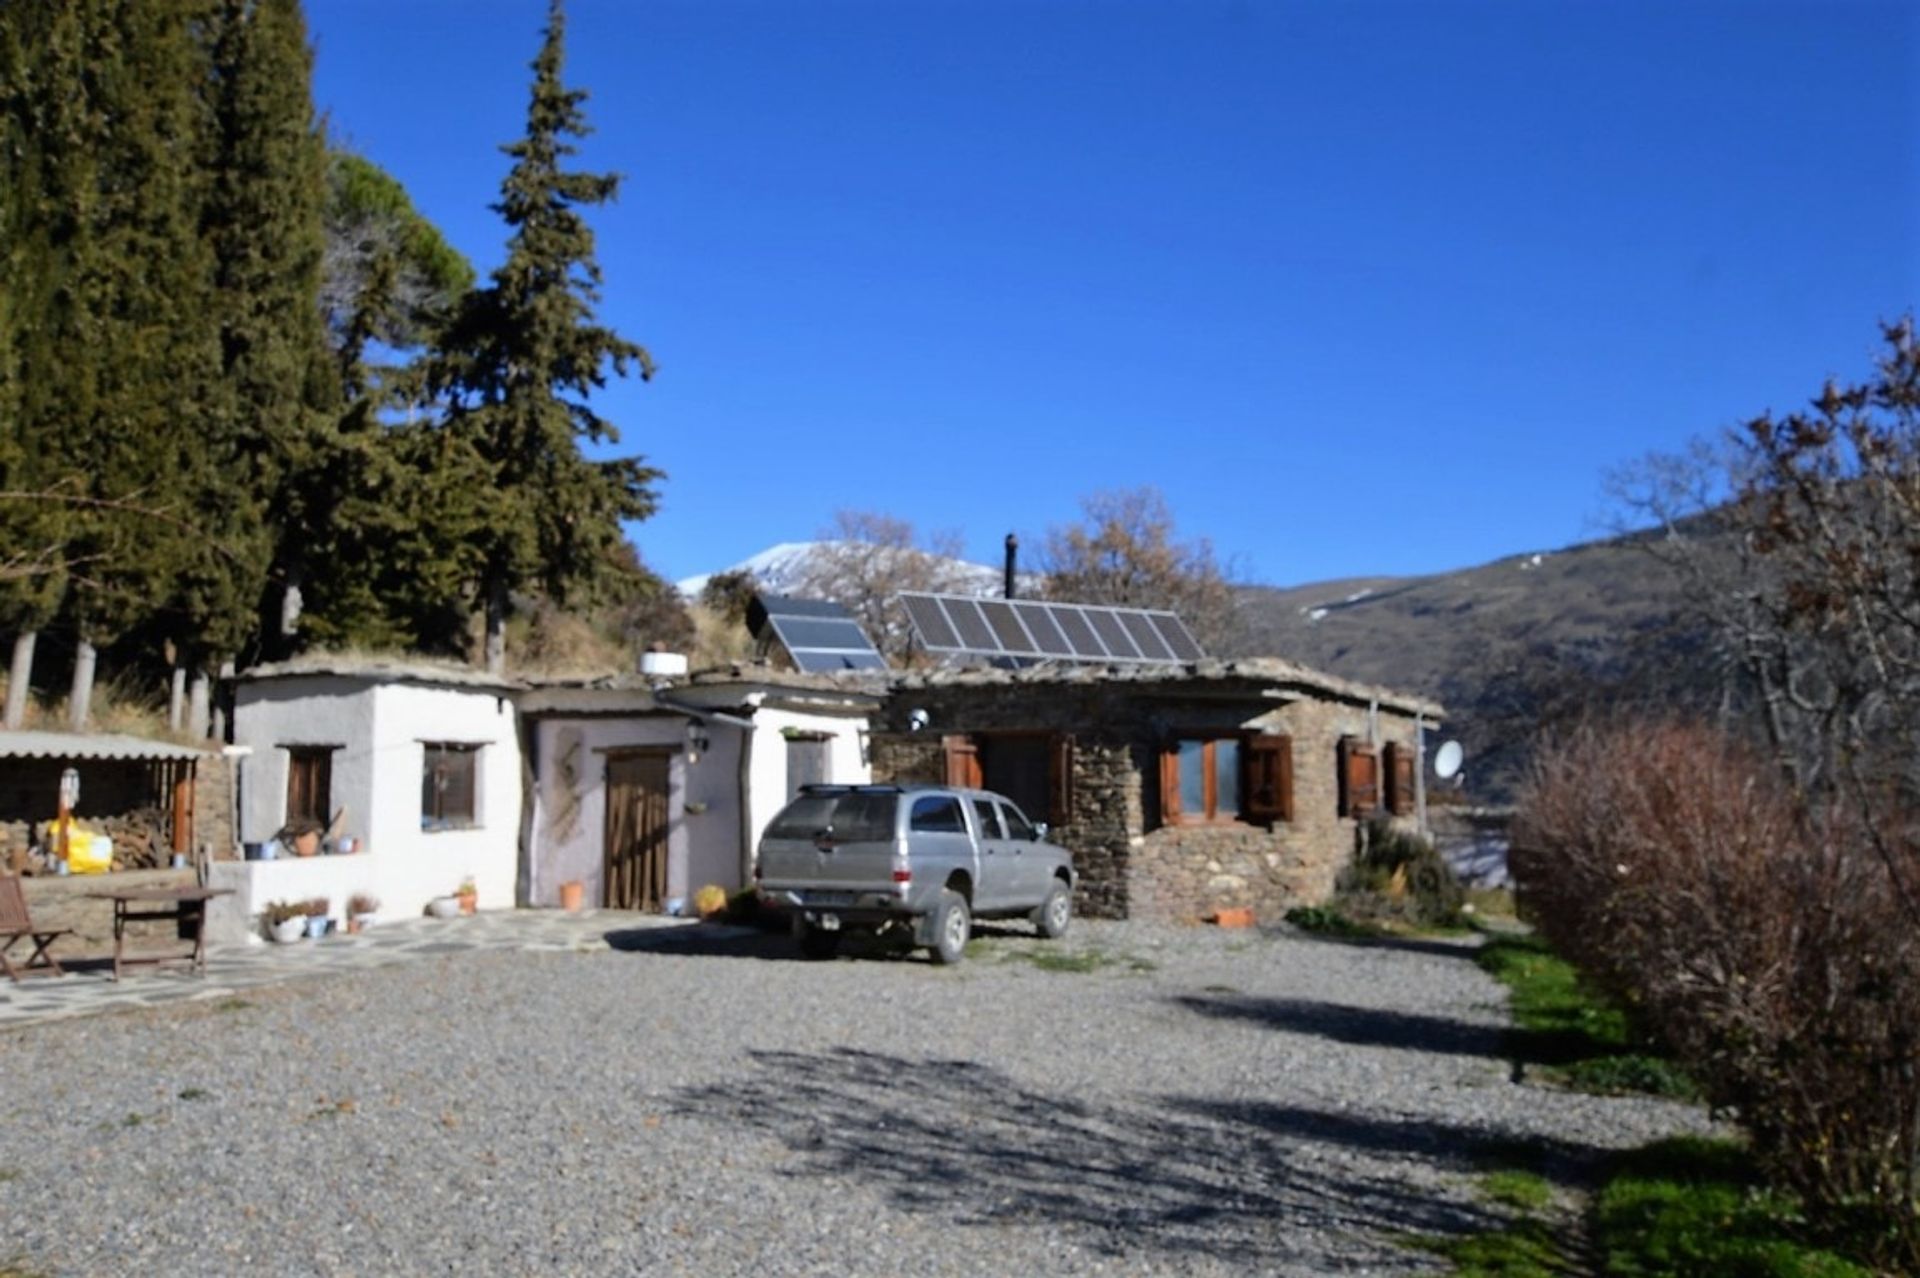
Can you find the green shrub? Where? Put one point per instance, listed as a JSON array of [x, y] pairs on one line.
[[1396, 874]]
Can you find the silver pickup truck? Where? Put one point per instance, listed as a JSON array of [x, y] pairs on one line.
[[923, 861]]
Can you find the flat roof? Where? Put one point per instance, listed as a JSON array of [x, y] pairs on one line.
[[374, 669], [1268, 672], [91, 745]]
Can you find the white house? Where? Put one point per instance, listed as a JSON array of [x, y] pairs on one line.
[[646, 790], [418, 765]]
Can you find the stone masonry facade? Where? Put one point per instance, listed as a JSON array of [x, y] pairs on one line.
[[1131, 862]]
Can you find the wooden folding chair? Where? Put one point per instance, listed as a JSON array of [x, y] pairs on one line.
[[17, 924]]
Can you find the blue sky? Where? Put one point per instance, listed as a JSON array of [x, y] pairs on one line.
[[1361, 287]]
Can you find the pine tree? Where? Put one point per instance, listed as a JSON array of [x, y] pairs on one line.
[[522, 360]]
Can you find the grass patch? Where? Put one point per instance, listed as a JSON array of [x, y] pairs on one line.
[[231, 1005], [1527, 1249], [1518, 1189], [1057, 960], [7, 1174], [1693, 1208], [1584, 1039]]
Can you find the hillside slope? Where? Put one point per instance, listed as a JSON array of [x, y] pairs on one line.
[[1510, 647]]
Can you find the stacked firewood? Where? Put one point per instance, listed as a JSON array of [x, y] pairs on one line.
[[141, 839]]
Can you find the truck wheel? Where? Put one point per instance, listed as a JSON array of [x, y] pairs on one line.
[[952, 928], [817, 944], [1055, 912]]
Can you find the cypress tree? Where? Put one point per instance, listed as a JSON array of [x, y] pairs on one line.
[[520, 365], [267, 423]]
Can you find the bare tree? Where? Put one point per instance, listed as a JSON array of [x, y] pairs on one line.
[[1801, 538], [868, 558], [1125, 553]]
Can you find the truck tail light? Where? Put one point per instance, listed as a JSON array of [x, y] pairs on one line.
[[903, 876]]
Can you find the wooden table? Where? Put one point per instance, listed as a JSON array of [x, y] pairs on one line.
[[185, 906]]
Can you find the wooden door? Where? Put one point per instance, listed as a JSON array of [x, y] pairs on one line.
[[635, 875]]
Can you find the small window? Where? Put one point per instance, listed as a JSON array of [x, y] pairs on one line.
[[808, 761], [989, 821], [1203, 780], [1018, 827], [937, 814], [310, 784], [447, 786]]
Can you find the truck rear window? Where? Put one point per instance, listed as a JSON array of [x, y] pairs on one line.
[[852, 818]]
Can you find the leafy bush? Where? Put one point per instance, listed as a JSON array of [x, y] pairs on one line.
[[280, 911], [1769, 945], [1396, 874]]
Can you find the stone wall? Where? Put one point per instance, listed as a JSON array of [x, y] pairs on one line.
[[62, 901], [1131, 864]]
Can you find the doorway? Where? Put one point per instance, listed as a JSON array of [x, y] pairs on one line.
[[635, 874]]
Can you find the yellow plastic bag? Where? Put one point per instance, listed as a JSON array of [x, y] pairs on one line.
[[90, 854]]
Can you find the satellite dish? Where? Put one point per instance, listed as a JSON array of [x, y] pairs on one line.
[[1447, 760]]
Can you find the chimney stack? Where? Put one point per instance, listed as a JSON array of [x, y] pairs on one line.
[[1013, 556]]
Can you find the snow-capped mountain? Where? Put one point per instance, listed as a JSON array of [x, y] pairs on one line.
[[782, 569]]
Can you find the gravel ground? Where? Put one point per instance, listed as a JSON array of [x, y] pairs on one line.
[[1203, 1102]]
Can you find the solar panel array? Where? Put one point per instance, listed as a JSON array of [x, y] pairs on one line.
[[1033, 630], [821, 637]]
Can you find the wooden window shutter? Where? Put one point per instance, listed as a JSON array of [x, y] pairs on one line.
[[1399, 778], [1268, 794], [1169, 782], [963, 761], [1060, 780], [1359, 779]]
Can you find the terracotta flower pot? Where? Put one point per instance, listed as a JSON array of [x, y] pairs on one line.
[[306, 844], [469, 901], [572, 895], [1233, 916]]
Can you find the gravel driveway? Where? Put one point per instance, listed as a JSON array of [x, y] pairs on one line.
[[697, 1102]]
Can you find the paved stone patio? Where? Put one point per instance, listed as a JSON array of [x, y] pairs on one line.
[[89, 988]]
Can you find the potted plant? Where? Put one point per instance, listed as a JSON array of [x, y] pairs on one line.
[[360, 911], [467, 895], [286, 921], [443, 907], [317, 916]]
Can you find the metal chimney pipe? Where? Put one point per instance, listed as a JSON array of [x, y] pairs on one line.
[[1013, 557]]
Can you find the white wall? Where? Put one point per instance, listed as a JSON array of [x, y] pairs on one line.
[[570, 812], [380, 729], [767, 788]]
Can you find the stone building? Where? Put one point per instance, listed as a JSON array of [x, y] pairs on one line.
[[1180, 789]]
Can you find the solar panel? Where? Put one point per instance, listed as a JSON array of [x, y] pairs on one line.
[[1035, 629], [930, 621], [820, 636]]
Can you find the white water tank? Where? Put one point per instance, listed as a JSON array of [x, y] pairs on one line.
[[664, 665]]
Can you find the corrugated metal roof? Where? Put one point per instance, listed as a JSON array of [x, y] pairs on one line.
[[89, 745]]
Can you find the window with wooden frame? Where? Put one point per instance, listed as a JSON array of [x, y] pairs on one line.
[[1359, 771], [1215, 778], [1398, 766], [310, 784], [447, 785]]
